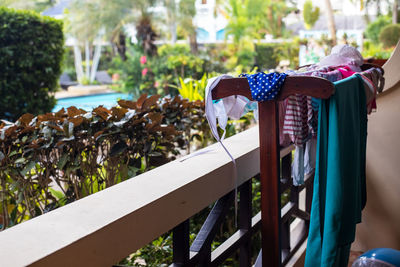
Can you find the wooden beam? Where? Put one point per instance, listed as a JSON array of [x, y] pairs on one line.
[[306, 85], [270, 182]]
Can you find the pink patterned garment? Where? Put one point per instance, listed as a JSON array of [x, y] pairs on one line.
[[297, 116], [301, 119]]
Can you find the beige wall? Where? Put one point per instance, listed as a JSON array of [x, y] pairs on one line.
[[380, 225]]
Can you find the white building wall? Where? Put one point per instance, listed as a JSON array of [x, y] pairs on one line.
[[207, 20], [347, 7]]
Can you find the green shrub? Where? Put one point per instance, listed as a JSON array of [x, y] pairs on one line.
[[214, 56], [84, 152], [267, 58], [390, 35], [31, 51], [158, 74], [193, 89], [371, 50], [374, 28], [290, 51], [270, 54]]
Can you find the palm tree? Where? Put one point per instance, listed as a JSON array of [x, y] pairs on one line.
[[85, 31], [172, 18], [256, 18], [187, 11], [31, 5], [92, 20]]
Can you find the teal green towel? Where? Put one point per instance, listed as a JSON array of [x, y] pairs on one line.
[[339, 183]]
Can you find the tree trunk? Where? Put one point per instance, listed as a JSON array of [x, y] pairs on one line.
[[121, 46], [395, 11], [95, 63], [171, 18], [87, 59], [331, 21], [193, 42], [78, 63]]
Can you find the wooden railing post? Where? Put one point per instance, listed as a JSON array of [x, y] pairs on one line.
[[270, 183], [245, 222], [180, 244]]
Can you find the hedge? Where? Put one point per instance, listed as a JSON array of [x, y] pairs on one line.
[[374, 28], [390, 35], [270, 54], [31, 50]]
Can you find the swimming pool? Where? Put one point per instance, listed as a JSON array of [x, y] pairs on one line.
[[89, 102]]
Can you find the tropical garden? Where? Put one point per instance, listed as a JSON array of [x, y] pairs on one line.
[[49, 159]]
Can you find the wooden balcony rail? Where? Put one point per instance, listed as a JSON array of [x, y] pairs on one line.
[[103, 228]]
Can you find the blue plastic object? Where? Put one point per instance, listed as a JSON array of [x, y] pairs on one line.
[[381, 257]]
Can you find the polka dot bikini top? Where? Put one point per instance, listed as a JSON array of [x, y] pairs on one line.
[[265, 86]]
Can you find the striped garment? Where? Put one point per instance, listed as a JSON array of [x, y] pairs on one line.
[[300, 123], [301, 116]]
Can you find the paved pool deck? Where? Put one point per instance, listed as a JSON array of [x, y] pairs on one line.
[[82, 90]]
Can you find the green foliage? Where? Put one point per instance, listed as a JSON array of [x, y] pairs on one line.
[[371, 50], [267, 58], [31, 51], [193, 89], [241, 54], [131, 70], [272, 22], [179, 61], [34, 5], [290, 51], [79, 20], [374, 28], [390, 35], [240, 24], [157, 253], [159, 74], [310, 14], [215, 57], [187, 11], [269, 55], [90, 16], [249, 20], [84, 152], [255, 18]]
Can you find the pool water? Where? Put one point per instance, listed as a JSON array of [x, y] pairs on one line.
[[91, 101]]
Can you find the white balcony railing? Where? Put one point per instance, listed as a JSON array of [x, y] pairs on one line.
[[103, 228]]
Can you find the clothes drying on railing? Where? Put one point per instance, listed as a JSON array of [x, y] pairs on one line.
[[297, 114], [300, 121], [339, 182]]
